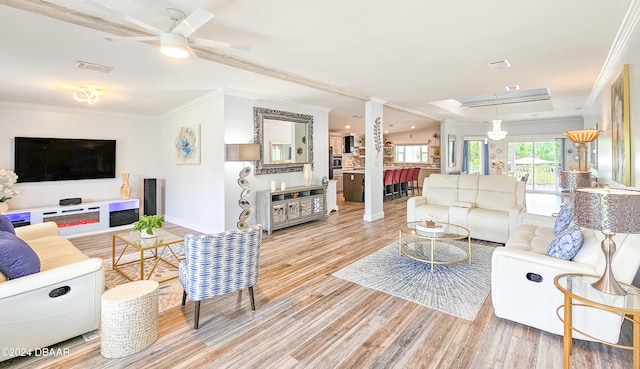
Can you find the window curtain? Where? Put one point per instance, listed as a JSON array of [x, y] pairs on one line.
[[465, 156], [485, 159]]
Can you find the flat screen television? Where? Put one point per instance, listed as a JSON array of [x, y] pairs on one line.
[[60, 159]]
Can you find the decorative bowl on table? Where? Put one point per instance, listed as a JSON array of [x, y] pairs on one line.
[[430, 228]]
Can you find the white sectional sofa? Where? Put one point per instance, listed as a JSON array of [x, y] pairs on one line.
[[522, 288], [60, 302], [489, 206]]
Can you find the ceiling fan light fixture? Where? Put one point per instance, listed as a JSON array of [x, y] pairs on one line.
[[174, 45]]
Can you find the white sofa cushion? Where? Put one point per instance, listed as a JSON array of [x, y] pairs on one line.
[[467, 188], [496, 192], [442, 189]]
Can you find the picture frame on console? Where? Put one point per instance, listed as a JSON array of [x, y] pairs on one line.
[[620, 128]]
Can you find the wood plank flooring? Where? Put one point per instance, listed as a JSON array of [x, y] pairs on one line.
[[306, 318]]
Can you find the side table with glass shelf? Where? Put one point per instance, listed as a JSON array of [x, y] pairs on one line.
[[578, 287]]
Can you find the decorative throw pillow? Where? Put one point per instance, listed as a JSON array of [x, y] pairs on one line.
[[567, 244], [6, 225], [17, 259], [564, 218]]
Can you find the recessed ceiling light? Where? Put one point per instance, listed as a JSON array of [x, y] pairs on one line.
[[412, 127], [386, 131], [347, 126], [512, 88], [499, 64]]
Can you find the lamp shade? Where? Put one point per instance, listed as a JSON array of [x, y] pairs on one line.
[[604, 209], [574, 179], [582, 136], [242, 152]]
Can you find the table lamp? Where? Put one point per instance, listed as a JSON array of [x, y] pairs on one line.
[[243, 152], [610, 211]]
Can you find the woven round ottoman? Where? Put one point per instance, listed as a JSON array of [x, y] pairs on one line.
[[129, 318]]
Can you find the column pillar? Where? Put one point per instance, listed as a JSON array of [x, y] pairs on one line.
[[373, 181]]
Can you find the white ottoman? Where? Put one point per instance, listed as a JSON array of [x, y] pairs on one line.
[[129, 318]]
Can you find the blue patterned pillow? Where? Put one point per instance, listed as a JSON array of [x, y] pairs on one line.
[[564, 218], [567, 244]]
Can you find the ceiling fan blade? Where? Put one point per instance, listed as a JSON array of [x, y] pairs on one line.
[[192, 22], [216, 44], [140, 38], [127, 18]]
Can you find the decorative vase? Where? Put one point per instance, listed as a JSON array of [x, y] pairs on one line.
[[306, 173], [499, 170], [4, 207], [125, 189]]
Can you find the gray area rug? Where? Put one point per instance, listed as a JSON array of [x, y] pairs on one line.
[[455, 289]]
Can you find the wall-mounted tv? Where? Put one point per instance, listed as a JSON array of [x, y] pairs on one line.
[[59, 159]]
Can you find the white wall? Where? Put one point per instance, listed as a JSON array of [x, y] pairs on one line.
[[194, 194], [136, 150], [238, 123], [548, 128], [600, 112]]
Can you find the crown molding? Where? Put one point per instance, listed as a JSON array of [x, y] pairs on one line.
[[69, 110]]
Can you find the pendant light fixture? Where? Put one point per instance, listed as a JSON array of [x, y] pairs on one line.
[[497, 133]]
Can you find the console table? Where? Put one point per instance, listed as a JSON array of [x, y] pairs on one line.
[[84, 217], [295, 205]]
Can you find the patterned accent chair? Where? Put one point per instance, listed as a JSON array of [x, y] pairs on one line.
[[219, 264]]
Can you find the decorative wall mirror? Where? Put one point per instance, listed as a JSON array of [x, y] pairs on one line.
[[286, 140], [452, 151]]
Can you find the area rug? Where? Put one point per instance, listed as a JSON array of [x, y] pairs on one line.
[[456, 289], [169, 292]]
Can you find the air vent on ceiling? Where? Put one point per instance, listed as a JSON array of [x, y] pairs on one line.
[[499, 64], [93, 66]]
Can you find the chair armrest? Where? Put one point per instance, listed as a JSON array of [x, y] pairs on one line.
[[514, 217], [412, 203], [537, 219], [39, 230], [49, 278]]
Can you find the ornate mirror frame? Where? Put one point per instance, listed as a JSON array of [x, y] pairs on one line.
[[259, 115]]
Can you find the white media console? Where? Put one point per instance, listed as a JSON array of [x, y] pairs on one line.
[[80, 218]]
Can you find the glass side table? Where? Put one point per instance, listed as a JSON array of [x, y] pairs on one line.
[[577, 287]]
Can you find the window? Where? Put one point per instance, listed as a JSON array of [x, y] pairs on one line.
[[475, 157], [412, 153]]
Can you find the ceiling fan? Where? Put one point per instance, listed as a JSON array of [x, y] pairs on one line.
[[175, 42]]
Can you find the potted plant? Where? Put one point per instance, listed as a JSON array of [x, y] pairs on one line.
[[147, 224]]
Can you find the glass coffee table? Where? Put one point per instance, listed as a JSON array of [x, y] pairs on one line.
[[435, 247], [155, 248]]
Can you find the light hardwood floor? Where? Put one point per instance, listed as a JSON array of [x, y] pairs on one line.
[[306, 318]]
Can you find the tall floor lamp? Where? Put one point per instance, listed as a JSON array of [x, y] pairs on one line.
[[243, 152], [610, 211]]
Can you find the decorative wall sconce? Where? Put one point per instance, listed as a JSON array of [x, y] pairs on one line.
[[243, 152]]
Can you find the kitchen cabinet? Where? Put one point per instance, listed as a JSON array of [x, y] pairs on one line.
[[337, 142], [337, 175], [353, 186]]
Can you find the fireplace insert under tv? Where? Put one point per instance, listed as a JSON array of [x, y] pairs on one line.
[[60, 159]]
